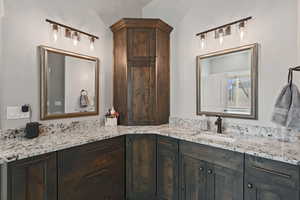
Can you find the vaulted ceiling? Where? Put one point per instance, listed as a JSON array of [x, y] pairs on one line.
[[112, 10]]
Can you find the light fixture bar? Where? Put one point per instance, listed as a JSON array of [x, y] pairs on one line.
[[223, 26], [72, 29]]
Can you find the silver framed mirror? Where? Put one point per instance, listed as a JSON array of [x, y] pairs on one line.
[[227, 83], [69, 84]]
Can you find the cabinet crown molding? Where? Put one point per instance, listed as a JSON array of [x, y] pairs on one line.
[[141, 23]]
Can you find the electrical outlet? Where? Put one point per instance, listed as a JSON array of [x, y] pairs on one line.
[[15, 112]]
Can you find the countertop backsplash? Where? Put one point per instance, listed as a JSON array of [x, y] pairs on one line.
[[280, 133]]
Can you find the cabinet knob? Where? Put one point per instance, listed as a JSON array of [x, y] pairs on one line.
[[210, 171], [250, 186]]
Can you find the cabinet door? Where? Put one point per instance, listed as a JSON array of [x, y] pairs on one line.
[[141, 44], [33, 179], [193, 174], [255, 190], [224, 183], [167, 169], [141, 89], [93, 171], [270, 180], [141, 167]]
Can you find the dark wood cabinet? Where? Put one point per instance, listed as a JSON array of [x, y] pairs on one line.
[[270, 180], [167, 169], [224, 183], [209, 173], [33, 179], [156, 168], [192, 178], [142, 71], [94, 171], [141, 167]]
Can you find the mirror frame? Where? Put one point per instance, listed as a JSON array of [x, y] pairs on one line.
[[44, 115], [254, 82]]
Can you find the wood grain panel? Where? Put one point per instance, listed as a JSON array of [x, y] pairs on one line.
[[192, 178], [93, 172], [167, 169], [141, 167], [33, 178], [163, 75], [120, 74], [142, 90], [229, 159], [142, 94]]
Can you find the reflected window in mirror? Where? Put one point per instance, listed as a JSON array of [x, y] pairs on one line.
[[69, 84], [227, 83]]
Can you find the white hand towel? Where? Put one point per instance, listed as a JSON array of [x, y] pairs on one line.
[[282, 106], [293, 119]]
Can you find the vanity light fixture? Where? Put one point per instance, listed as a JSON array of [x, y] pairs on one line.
[[224, 30], [71, 33]]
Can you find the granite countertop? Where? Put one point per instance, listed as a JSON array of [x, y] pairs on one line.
[[12, 149]]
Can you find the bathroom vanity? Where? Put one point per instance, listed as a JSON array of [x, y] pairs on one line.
[[161, 163]]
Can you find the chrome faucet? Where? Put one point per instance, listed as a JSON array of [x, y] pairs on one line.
[[219, 124]]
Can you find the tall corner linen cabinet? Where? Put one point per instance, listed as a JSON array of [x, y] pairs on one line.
[[142, 71]]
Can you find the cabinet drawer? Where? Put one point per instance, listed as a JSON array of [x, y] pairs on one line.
[[104, 145], [221, 157], [167, 142], [267, 171]]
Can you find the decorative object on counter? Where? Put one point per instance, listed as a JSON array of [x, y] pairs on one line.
[[142, 71], [62, 74], [32, 130], [224, 30], [287, 106], [111, 117], [70, 32], [227, 83]]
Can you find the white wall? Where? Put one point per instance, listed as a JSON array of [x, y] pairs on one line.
[[274, 27], [24, 29]]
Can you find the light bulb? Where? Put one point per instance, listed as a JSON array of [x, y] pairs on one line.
[[221, 36], [55, 32], [75, 42], [202, 41], [92, 45], [242, 30], [76, 38]]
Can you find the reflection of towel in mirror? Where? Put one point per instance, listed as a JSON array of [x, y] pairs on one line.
[[287, 107], [84, 99]]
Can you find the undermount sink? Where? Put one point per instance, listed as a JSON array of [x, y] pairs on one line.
[[215, 137]]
